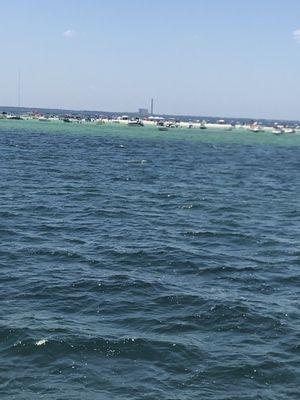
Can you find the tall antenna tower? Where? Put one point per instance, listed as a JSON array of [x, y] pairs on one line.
[[151, 107], [19, 87]]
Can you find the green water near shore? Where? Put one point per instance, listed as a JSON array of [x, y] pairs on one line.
[[238, 136]]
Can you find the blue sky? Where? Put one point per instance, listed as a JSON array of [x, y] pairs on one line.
[[233, 58]]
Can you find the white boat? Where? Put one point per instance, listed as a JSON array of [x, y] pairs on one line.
[[43, 118], [277, 131], [255, 128], [289, 130], [136, 122], [26, 117], [100, 121], [13, 116]]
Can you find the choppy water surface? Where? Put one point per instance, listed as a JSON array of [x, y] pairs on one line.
[[146, 265]]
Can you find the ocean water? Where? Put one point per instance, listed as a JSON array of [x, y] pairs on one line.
[[138, 264]]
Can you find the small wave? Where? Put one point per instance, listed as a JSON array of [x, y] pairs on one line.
[[133, 348], [41, 342], [137, 161]]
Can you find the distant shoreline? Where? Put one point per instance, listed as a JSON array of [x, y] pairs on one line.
[[62, 111], [158, 122]]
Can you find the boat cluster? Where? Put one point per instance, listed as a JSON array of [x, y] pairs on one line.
[[276, 128], [162, 123]]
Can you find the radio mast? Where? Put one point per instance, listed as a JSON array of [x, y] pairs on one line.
[[19, 87]]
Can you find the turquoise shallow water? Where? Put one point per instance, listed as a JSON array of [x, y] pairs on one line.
[[137, 264]]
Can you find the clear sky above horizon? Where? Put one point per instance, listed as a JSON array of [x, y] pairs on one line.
[[228, 58]]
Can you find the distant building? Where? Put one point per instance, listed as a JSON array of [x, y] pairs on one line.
[[143, 112]]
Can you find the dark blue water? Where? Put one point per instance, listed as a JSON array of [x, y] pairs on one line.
[[148, 267]]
